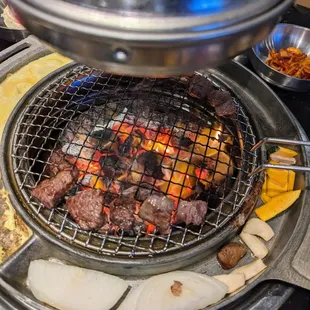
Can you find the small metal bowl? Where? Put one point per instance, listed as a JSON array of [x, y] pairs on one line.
[[283, 36]]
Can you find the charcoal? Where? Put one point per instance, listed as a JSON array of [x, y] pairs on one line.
[[186, 142], [51, 191], [139, 193], [125, 149], [104, 134], [113, 166], [108, 165], [151, 163], [81, 146]]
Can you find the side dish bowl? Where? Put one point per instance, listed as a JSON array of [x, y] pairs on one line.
[[283, 36]]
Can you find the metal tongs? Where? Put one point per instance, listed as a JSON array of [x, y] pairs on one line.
[[283, 142]]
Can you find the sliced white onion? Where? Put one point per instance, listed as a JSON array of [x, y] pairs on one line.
[[131, 299], [73, 288], [257, 227], [232, 281], [257, 247], [251, 270], [197, 291]]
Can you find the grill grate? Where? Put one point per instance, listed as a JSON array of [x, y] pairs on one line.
[[67, 104]]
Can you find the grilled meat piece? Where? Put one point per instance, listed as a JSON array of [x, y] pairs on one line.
[[226, 109], [51, 191], [122, 213], [222, 102], [157, 209], [230, 255], [56, 163], [199, 87], [218, 97], [86, 208], [191, 212]]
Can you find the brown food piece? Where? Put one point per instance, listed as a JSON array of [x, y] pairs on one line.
[[86, 208], [222, 102], [122, 213], [51, 191], [57, 162], [191, 212], [176, 288], [226, 109], [157, 209], [199, 87], [230, 255], [218, 97]]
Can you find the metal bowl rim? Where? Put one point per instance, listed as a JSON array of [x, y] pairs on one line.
[[190, 32], [273, 70]]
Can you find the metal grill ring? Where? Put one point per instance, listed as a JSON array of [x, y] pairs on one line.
[[70, 98]]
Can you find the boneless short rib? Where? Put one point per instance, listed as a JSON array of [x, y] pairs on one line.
[[157, 210], [87, 209], [201, 88], [51, 191], [191, 212], [122, 213]]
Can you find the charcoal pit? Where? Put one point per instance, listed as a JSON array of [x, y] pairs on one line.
[[138, 136]]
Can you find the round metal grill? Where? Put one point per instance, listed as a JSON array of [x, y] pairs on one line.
[[91, 103]]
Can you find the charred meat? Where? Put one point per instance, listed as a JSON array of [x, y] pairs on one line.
[[50, 192], [157, 209], [122, 213], [57, 162], [226, 109], [222, 102], [86, 208], [199, 87], [230, 255], [191, 212], [218, 97]]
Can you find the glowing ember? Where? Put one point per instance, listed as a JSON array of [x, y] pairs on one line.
[[171, 161]]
